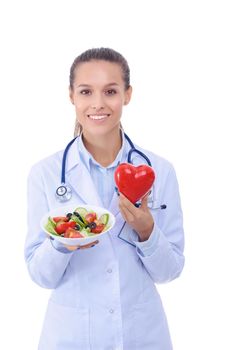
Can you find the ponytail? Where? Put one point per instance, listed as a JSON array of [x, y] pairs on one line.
[[77, 129]]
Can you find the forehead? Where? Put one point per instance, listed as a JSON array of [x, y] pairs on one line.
[[98, 72]]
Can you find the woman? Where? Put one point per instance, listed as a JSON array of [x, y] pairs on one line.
[[104, 297]]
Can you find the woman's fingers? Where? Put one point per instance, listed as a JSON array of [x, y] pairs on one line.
[[140, 219], [127, 208], [71, 247], [144, 204], [124, 203], [85, 246], [127, 215], [89, 245]]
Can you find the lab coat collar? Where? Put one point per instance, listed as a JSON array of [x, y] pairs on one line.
[[114, 208], [81, 182], [79, 178], [73, 158]]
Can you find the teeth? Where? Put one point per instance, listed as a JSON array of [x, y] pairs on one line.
[[98, 117]]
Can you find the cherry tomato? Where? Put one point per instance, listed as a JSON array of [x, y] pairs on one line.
[[98, 229], [60, 218], [90, 217], [71, 233], [62, 226]]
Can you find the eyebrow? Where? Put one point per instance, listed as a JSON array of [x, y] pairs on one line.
[[86, 85]]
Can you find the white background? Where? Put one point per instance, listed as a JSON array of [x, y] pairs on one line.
[[180, 54]]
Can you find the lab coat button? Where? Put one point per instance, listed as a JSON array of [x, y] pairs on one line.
[[109, 270], [111, 311]]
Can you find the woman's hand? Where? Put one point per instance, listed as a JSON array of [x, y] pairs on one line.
[[140, 219], [85, 246]]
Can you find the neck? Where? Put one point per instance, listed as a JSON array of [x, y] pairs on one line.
[[103, 149]]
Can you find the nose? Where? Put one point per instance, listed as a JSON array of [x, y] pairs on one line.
[[97, 102]]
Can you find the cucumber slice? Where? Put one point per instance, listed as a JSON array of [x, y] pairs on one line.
[[106, 228], [50, 226], [82, 212], [52, 221], [76, 219], [104, 218], [87, 233]]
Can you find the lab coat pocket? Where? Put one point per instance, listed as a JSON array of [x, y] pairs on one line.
[[65, 328], [150, 326]]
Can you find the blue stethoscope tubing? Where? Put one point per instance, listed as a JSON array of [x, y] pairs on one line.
[[133, 149], [64, 193]]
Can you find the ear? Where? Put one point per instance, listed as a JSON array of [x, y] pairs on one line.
[[128, 94], [71, 95]]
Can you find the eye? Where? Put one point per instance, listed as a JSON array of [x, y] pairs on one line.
[[85, 92], [110, 92]]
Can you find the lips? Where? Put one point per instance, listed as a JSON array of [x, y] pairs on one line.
[[98, 116]]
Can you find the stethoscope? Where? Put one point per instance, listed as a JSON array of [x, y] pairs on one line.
[[64, 192]]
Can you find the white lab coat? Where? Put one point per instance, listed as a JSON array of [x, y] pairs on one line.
[[104, 297]]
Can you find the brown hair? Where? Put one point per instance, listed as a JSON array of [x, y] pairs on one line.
[[104, 54]]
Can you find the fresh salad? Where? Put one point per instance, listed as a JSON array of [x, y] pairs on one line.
[[78, 224]]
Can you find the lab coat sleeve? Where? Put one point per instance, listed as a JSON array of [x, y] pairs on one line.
[[162, 254], [46, 264]]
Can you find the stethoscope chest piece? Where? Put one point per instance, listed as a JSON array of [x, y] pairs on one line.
[[63, 193]]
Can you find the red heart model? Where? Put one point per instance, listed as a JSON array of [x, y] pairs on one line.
[[134, 182]]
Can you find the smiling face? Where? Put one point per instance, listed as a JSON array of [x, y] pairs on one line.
[[98, 94]]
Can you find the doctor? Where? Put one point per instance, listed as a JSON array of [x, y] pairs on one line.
[[104, 296]]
